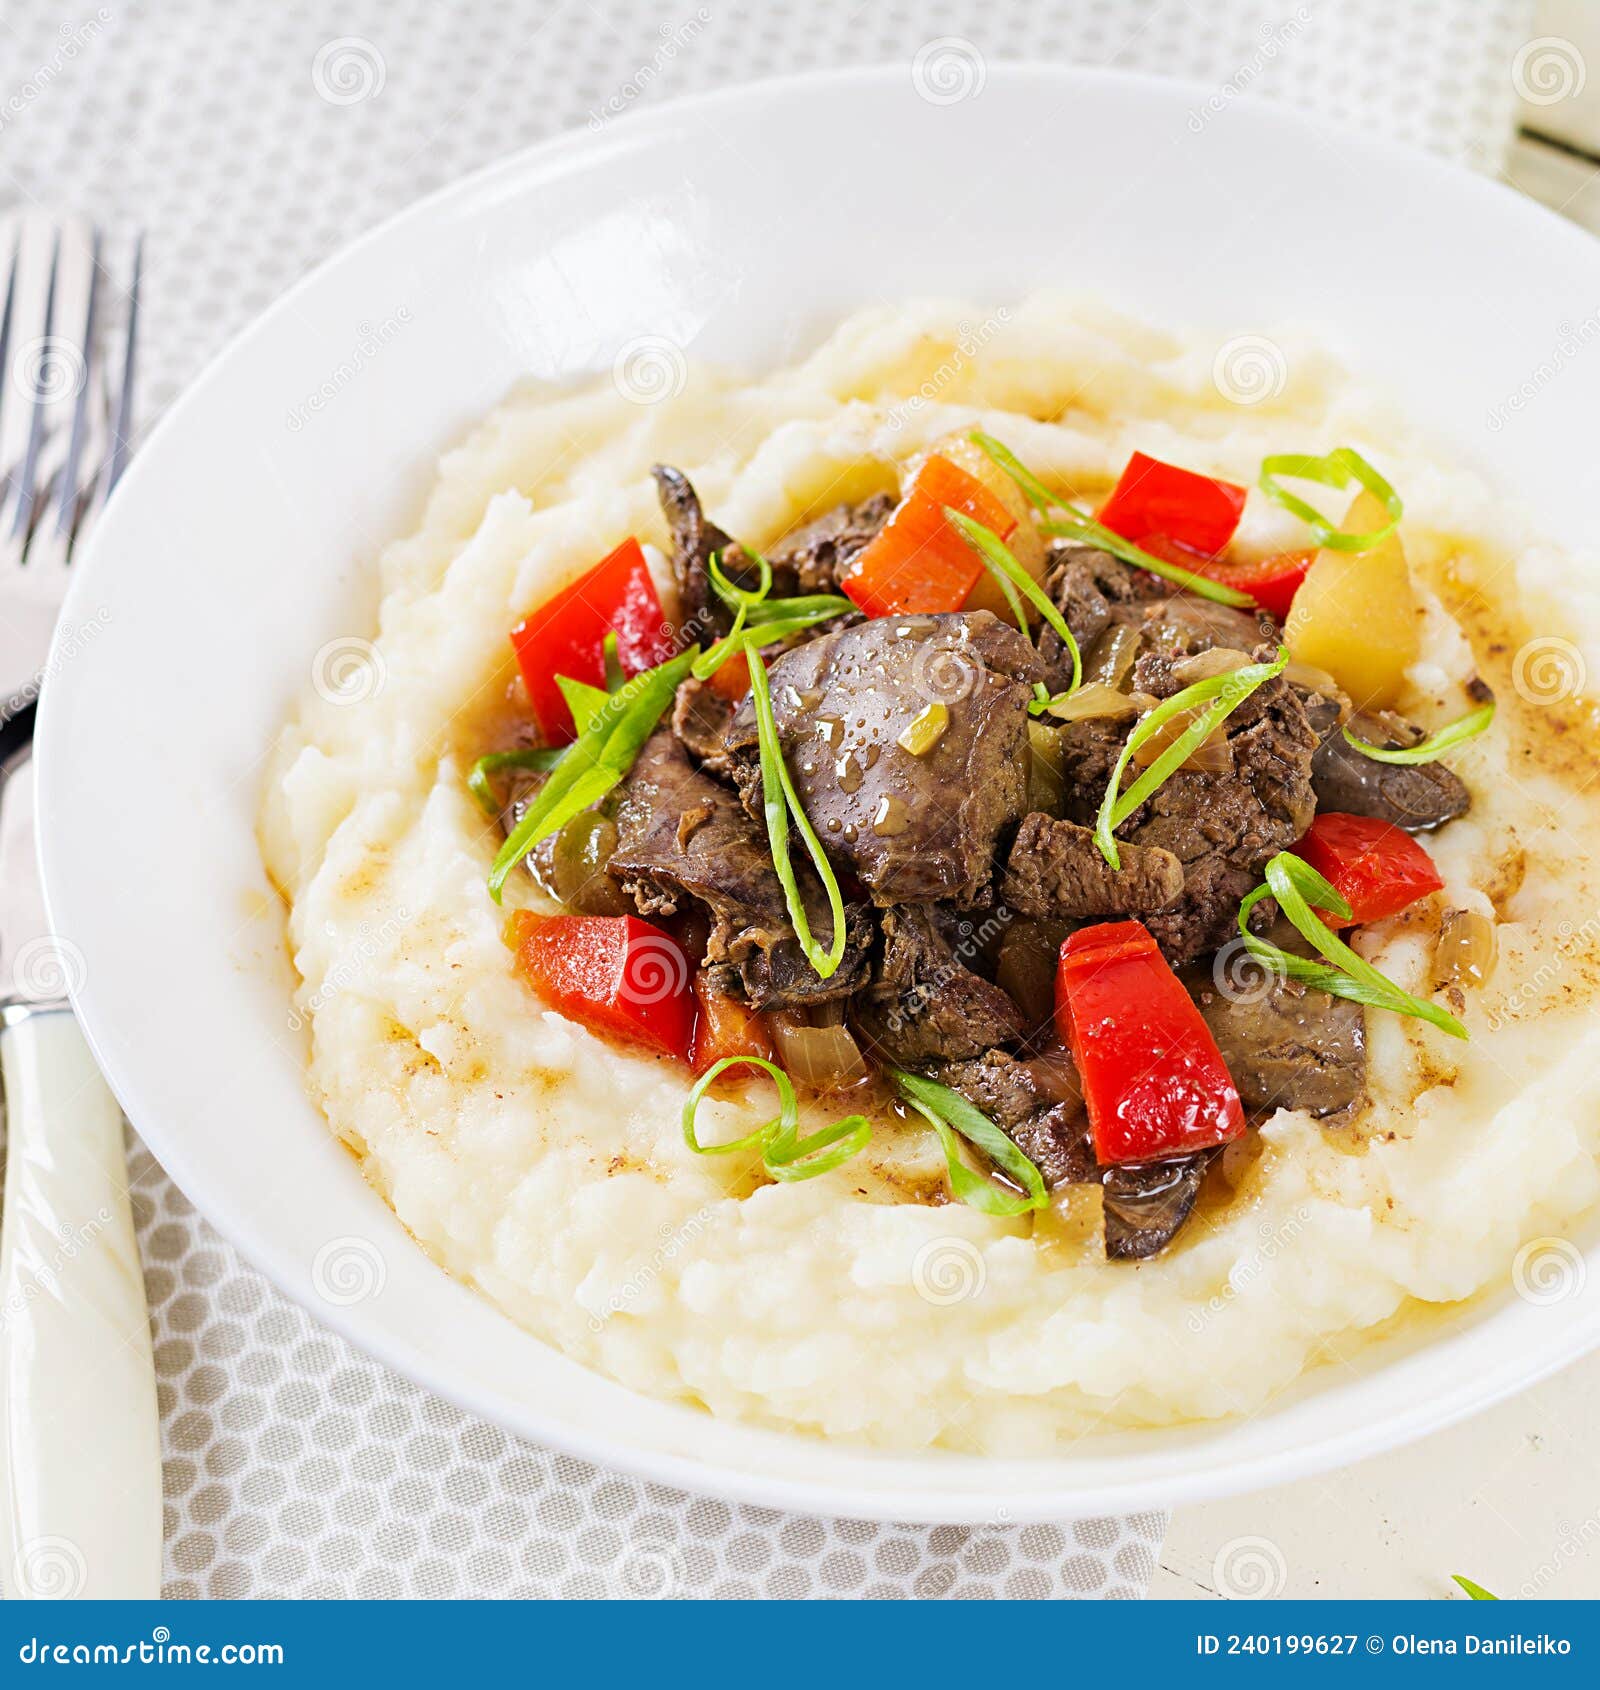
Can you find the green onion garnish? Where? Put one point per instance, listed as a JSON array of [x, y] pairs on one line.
[[1434, 746], [1475, 1591], [611, 658], [779, 801], [951, 1114], [815, 607], [1013, 578], [529, 757], [784, 1153], [582, 699], [1070, 524], [734, 596], [596, 760], [1220, 695], [1338, 469], [1297, 887]]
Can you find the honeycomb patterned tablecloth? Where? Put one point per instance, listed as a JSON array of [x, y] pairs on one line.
[[249, 140]]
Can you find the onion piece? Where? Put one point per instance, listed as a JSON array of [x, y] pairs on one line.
[[1464, 953], [1094, 698], [1046, 783], [1111, 656], [823, 1057], [1212, 756]]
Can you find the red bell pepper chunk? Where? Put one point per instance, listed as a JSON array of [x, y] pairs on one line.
[[1154, 1082], [613, 973], [920, 562], [1197, 511], [725, 1027], [1376, 867], [731, 679], [566, 635], [1271, 581]]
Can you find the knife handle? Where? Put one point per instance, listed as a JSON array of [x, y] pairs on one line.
[[80, 1441]]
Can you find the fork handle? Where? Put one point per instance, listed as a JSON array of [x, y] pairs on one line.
[[80, 1494]]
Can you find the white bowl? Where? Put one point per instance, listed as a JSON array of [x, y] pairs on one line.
[[741, 226]]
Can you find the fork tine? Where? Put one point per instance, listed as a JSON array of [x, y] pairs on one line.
[[23, 521], [5, 346], [122, 422], [69, 493]]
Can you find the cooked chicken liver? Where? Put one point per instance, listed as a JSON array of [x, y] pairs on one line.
[[1224, 826], [925, 1004], [1287, 1045], [911, 828], [811, 558], [1147, 1204], [1054, 868], [700, 718], [701, 614], [1415, 796], [683, 835]]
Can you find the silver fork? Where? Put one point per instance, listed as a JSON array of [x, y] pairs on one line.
[[80, 1459], [63, 439]]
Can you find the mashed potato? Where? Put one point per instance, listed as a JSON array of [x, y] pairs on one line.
[[546, 1167]]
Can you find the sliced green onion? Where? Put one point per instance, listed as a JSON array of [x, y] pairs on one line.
[[784, 1153], [951, 1114], [1428, 750], [815, 607], [1005, 569], [596, 760], [734, 596], [611, 657], [1297, 887], [1338, 469], [1070, 524], [529, 757], [582, 699], [1475, 1590], [1221, 695], [779, 801], [747, 634]]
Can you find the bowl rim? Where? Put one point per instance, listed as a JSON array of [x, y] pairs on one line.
[[527, 168]]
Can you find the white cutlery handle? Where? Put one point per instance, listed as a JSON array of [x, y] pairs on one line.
[[80, 1462]]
